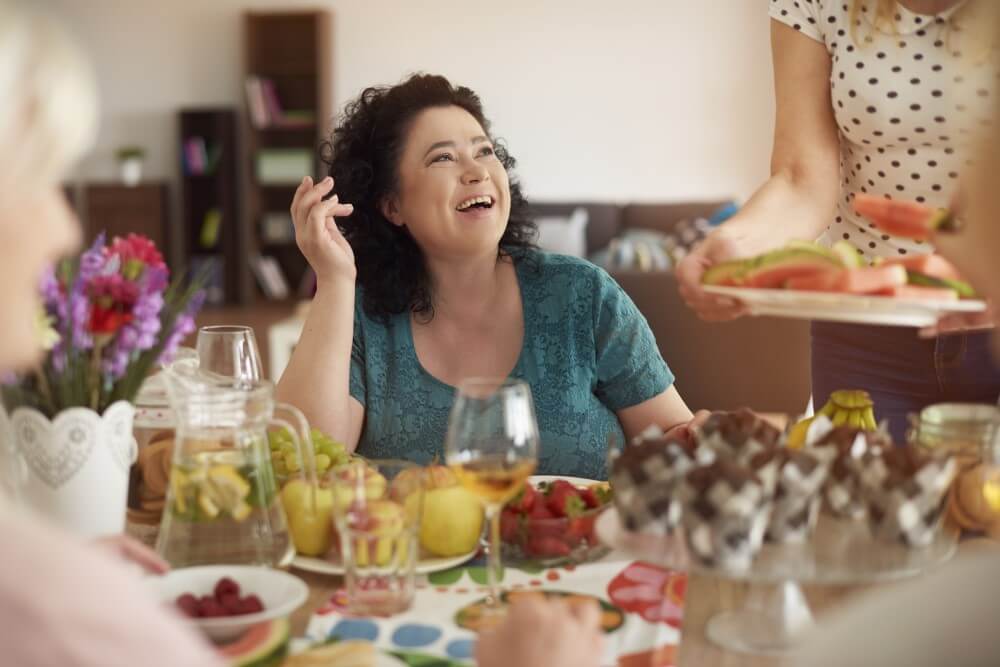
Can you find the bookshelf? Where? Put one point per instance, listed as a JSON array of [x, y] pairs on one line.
[[210, 202], [119, 210], [288, 75]]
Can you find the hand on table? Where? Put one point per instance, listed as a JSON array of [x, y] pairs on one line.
[[134, 551], [686, 430], [543, 633], [715, 249]]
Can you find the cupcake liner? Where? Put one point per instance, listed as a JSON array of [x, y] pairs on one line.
[[905, 494], [796, 502], [740, 435], [847, 448], [644, 477], [725, 513]]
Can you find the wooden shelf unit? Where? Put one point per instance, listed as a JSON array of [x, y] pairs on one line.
[[293, 51]]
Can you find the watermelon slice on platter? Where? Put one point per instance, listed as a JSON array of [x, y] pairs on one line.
[[917, 293], [905, 219], [868, 280]]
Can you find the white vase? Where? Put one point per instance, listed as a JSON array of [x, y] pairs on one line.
[[131, 170], [77, 465]]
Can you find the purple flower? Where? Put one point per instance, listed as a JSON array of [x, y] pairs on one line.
[[183, 327]]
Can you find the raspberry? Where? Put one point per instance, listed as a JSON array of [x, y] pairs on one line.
[[226, 586], [251, 604], [188, 604], [231, 603], [210, 609]]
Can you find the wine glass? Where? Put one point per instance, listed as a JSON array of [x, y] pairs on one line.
[[492, 445], [231, 352]]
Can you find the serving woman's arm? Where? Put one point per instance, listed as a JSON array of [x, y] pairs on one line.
[[799, 198], [317, 379]]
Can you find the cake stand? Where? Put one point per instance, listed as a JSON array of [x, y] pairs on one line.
[[775, 610]]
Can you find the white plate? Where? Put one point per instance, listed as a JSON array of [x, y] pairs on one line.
[[835, 307], [575, 481], [424, 565]]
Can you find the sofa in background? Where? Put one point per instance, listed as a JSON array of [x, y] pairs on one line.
[[763, 363]]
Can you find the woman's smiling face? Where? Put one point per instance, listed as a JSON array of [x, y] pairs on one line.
[[453, 194]]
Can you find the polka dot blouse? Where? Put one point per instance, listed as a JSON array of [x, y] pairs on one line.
[[908, 105]]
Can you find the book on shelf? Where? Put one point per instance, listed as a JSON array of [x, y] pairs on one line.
[[198, 158], [266, 110], [270, 277], [208, 237], [283, 166], [215, 285], [277, 227]]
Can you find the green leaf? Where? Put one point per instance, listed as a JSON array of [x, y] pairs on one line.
[[446, 577], [478, 574]]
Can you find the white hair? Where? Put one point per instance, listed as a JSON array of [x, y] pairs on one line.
[[48, 117]]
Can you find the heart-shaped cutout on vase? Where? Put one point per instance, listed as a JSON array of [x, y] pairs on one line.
[[118, 426], [55, 451]]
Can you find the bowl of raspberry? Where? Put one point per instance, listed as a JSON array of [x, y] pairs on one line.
[[224, 601]]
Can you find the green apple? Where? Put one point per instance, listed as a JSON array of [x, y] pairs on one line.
[[451, 521], [312, 532]]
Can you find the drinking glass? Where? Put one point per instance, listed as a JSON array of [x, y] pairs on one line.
[[230, 351], [492, 445], [377, 506]]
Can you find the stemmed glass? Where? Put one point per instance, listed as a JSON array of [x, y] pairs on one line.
[[230, 352], [492, 445]]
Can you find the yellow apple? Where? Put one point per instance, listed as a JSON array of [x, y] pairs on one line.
[[380, 529], [345, 485], [451, 521], [312, 532]]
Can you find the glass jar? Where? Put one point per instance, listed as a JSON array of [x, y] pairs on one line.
[[153, 429], [967, 431]]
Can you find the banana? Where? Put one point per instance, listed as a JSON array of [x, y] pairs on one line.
[[856, 420], [869, 419], [828, 410], [840, 417], [797, 434]]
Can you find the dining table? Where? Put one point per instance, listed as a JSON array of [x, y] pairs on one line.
[[684, 641]]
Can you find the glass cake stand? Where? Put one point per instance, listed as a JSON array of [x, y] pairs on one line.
[[775, 610]]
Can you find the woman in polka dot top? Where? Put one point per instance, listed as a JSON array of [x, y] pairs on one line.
[[883, 97]]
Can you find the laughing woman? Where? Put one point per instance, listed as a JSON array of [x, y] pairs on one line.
[[436, 269]]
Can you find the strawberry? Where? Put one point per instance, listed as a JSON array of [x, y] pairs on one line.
[[524, 500], [590, 498], [564, 499], [542, 545], [580, 529], [510, 525]]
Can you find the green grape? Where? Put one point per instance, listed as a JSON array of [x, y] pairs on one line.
[[288, 448], [325, 448], [322, 462], [292, 462], [279, 467]]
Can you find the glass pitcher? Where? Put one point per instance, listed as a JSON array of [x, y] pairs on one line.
[[223, 503]]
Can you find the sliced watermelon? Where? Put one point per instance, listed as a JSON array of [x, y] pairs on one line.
[[263, 645], [852, 281], [963, 288], [727, 273], [906, 219], [930, 264], [777, 267], [915, 293]]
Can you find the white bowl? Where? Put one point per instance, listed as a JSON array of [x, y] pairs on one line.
[[280, 593]]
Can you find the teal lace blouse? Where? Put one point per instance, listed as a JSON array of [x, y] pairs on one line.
[[587, 353]]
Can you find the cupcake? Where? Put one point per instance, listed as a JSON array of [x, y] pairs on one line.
[[845, 448], [905, 493], [725, 513], [644, 477], [740, 435], [796, 499]]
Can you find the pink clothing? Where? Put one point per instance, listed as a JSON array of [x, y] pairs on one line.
[[66, 603]]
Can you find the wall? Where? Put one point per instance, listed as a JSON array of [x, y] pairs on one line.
[[627, 100]]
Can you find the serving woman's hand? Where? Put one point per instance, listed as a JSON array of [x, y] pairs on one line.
[[316, 233], [715, 249], [133, 551]]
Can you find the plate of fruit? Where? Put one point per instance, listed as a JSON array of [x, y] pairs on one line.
[[551, 522], [451, 521], [805, 280]]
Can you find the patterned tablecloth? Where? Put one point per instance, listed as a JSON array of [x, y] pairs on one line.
[[642, 609]]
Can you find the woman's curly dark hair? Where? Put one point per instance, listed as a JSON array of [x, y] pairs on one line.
[[363, 156]]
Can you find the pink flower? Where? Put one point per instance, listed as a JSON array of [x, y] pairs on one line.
[[136, 254], [654, 593]]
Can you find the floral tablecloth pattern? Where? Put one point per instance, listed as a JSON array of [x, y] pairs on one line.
[[642, 609]]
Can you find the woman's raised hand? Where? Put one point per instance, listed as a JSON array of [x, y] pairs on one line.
[[316, 232], [716, 248]]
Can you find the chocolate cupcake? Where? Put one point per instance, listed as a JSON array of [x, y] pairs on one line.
[[905, 492], [796, 500], [644, 477], [725, 513], [740, 435], [845, 447]]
